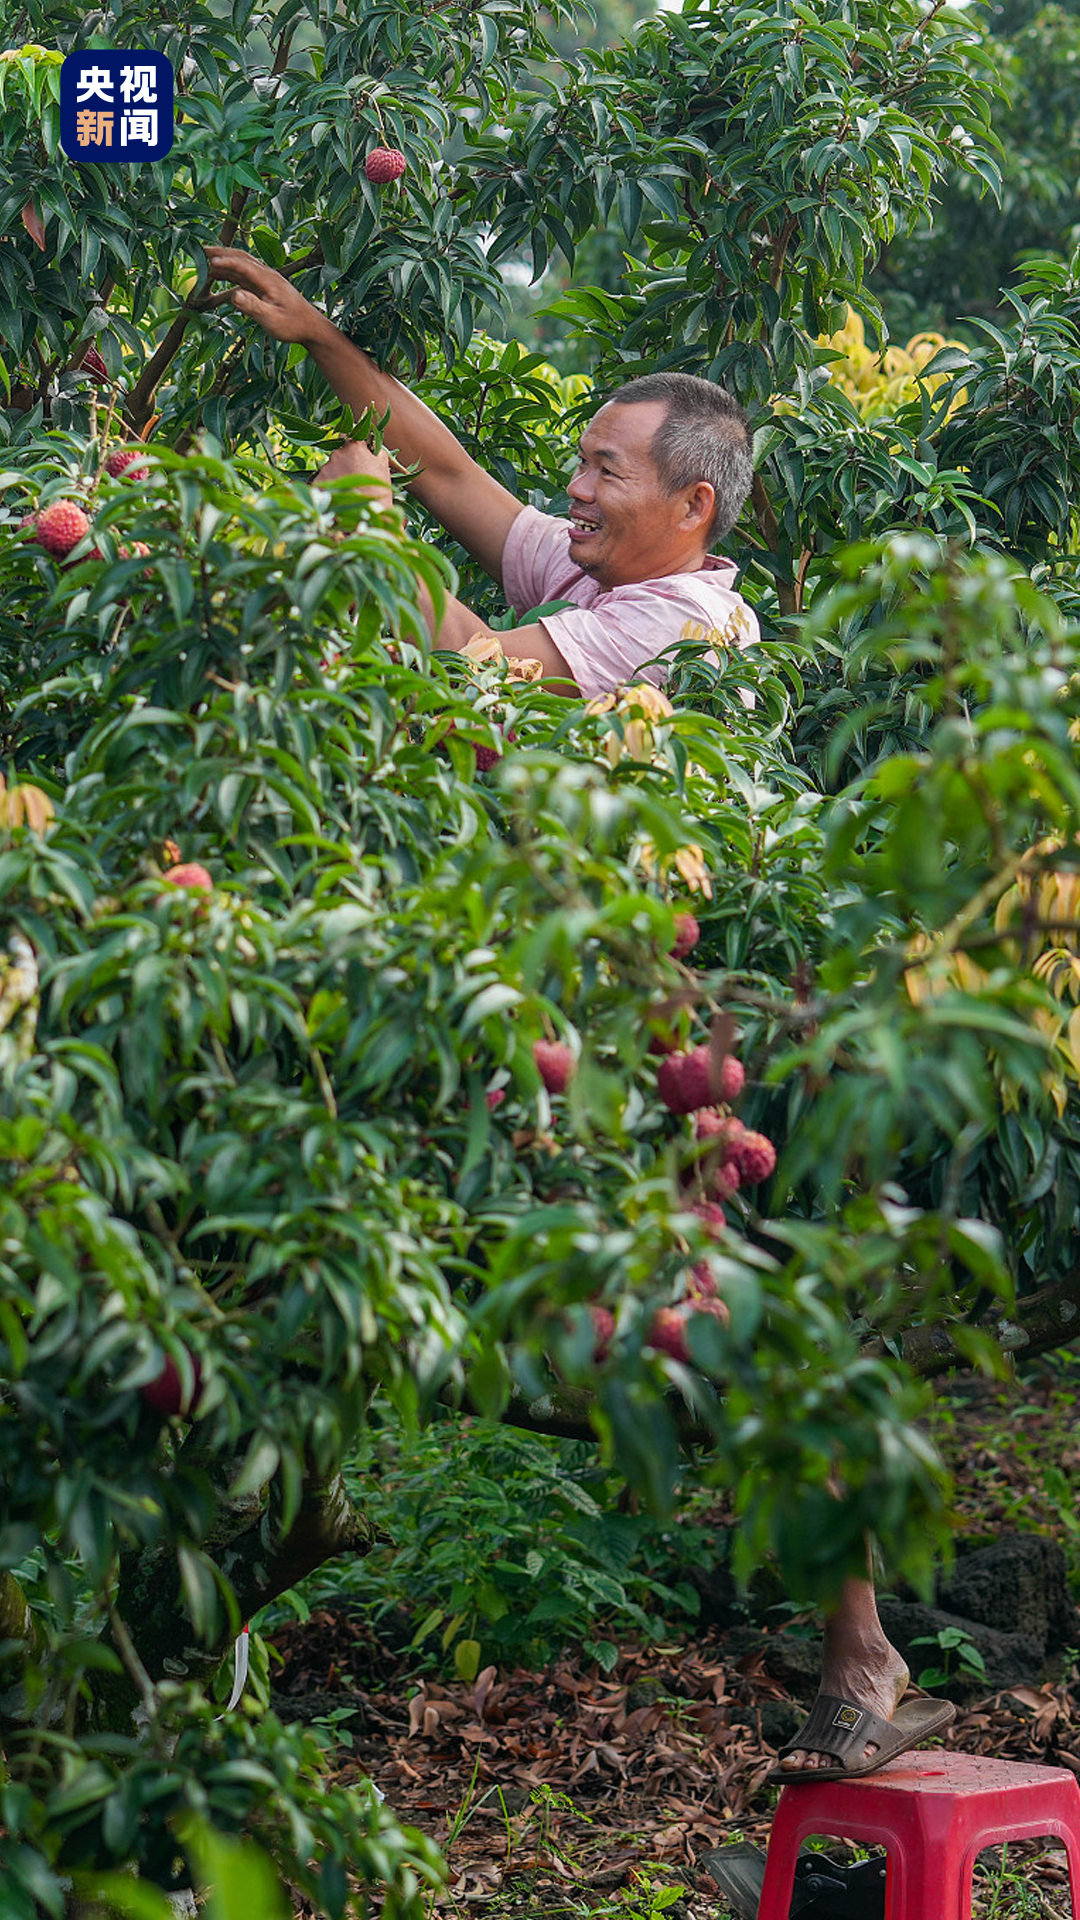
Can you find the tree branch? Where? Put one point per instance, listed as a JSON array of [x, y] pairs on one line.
[[921, 25], [140, 401], [770, 533], [1043, 1320], [564, 1411], [257, 1565], [780, 245], [140, 404], [327, 1526]]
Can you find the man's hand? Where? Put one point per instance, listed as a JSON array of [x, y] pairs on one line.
[[267, 296], [471, 504], [355, 456]]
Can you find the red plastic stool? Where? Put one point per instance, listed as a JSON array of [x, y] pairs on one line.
[[934, 1816]]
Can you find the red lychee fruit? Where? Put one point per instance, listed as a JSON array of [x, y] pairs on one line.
[[140, 550], [61, 527], [687, 935], [384, 164], [667, 1333], [712, 1217], [720, 1128], [701, 1285], [726, 1180], [717, 1308], [122, 461], [484, 758], [555, 1061], [755, 1157], [488, 757], [684, 1081], [603, 1321], [189, 874], [167, 1394], [689, 1081], [93, 363], [27, 523], [495, 1097], [732, 1077]]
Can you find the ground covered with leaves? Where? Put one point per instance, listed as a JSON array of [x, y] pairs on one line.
[[571, 1792]]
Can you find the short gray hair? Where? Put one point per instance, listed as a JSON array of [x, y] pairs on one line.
[[705, 435]]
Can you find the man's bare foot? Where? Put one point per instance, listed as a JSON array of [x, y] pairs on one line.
[[880, 1688], [859, 1665]]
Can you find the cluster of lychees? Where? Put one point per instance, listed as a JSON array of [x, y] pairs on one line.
[[61, 526], [700, 1082]]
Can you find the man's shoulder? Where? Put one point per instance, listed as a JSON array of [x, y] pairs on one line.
[[538, 527], [536, 560]]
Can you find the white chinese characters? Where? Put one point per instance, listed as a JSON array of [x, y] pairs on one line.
[[139, 127], [94, 83], [138, 86]]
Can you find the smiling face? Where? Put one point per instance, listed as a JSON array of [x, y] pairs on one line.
[[624, 527]]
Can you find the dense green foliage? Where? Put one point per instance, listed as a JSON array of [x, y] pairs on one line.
[[958, 264], [503, 1546], [247, 1127]]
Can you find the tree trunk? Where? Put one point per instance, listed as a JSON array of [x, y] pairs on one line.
[[151, 1605]]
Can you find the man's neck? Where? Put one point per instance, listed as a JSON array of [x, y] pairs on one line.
[[688, 563]]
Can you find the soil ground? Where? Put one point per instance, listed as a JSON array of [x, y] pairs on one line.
[[573, 1793]]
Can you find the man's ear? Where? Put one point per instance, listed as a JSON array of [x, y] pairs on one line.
[[700, 506]]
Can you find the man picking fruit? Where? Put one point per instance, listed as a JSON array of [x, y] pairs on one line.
[[663, 471]]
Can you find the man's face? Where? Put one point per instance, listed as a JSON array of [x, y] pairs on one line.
[[624, 527]]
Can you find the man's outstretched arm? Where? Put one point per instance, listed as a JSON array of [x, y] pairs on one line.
[[473, 506]]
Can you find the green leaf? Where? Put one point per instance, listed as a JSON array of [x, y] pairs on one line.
[[467, 1660], [33, 1874], [236, 1874], [130, 1898]]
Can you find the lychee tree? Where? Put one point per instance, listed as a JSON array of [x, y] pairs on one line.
[[272, 948], [353, 1037], [256, 1163]]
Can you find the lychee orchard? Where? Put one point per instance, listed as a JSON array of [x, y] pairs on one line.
[[386, 1037]]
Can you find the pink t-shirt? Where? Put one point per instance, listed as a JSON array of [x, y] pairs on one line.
[[610, 632]]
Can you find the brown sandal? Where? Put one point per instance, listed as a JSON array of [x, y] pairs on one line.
[[841, 1729]]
